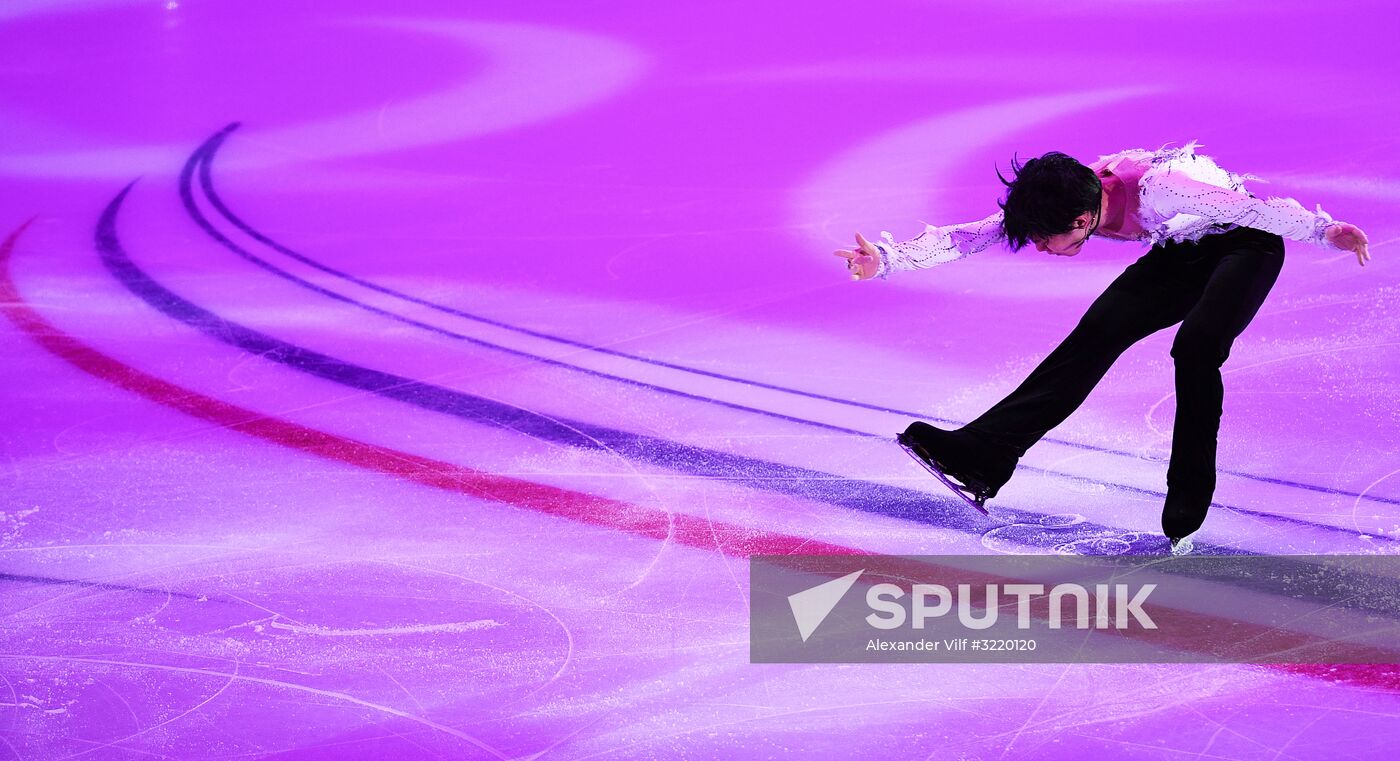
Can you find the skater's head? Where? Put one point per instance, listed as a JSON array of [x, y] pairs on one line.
[[1053, 202]]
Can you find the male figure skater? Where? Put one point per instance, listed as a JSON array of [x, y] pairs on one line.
[[1216, 250]]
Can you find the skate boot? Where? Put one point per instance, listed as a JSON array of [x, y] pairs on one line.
[[974, 470]]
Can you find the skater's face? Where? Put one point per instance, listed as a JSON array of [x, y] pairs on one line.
[[1066, 243]]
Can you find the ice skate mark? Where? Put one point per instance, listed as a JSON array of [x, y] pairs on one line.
[[117, 696], [1356, 506], [645, 480], [215, 695], [565, 661], [156, 545], [740, 587], [1069, 534], [650, 484], [416, 702], [58, 440], [339, 697], [247, 360], [546, 750], [19, 578], [459, 627], [1044, 535], [1098, 546], [203, 157], [1185, 689], [73, 595]]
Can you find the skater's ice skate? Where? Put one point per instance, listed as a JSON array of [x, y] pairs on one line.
[[966, 483]]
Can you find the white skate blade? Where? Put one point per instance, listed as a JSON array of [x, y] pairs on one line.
[[1183, 546]]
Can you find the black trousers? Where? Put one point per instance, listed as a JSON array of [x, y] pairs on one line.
[[1213, 287]]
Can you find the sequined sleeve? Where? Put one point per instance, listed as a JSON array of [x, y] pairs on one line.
[[1182, 203], [937, 245]]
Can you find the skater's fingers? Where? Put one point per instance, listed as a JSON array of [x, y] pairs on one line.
[[863, 243], [845, 253]]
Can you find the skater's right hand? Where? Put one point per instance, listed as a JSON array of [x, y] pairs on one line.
[[1350, 238], [864, 261]]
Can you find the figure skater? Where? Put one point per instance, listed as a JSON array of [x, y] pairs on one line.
[[1216, 250]]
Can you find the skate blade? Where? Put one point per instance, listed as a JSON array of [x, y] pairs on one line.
[[968, 495], [1182, 546]]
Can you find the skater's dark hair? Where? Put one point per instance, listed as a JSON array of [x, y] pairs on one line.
[[1045, 196]]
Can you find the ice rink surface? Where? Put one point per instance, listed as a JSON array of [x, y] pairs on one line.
[[413, 380]]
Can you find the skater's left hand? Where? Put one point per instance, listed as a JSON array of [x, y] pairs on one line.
[[1350, 238]]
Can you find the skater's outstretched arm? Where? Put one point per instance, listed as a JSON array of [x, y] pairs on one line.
[[932, 247], [1170, 194]]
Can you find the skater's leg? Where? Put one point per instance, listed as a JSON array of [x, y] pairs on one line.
[[1155, 292], [1248, 266]]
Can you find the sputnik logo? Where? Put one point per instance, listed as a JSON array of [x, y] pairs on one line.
[[811, 606]]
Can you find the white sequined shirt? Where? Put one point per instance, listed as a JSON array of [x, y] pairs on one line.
[[1181, 196]]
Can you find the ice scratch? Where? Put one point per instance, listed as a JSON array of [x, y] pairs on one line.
[[461, 626]]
